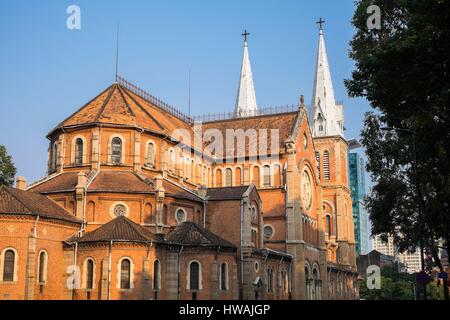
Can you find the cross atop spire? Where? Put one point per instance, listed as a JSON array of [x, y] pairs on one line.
[[321, 22], [245, 35]]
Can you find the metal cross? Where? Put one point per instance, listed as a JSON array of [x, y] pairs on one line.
[[245, 35], [321, 22]]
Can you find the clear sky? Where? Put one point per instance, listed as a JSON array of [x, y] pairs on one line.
[[48, 71]]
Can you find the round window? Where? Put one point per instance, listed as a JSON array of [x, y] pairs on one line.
[[180, 215], [305, 141], [268, 232], [120, 210], [256, 266], [306, 190]]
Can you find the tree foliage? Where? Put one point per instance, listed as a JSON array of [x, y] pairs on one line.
[[402, 69], [7, 168]]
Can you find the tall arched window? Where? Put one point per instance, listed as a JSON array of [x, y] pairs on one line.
[[219, 178], [89, 274], [228, 177], [318, 162], [256, 176], [238, 176], [54, 156], [148, 212], [116, 150], [192, 171], [9, 263], [150, 160], [223, 276], [328, 224], [125, 274], [266, 176], [194, 276], [326, 165], [156, 275], [42, 265], [171, 160], [78, 152]]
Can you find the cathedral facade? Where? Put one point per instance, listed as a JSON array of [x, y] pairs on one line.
[[129, 210]]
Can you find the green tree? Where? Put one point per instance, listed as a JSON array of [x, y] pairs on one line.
[[7, 168], [402, 69]]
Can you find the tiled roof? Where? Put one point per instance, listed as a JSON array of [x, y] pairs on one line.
[[119, 106], [66, 181], [120, 229], [189, 233], [226, 193], [172, 189], [284, 122], [15, 201], [119, 181]]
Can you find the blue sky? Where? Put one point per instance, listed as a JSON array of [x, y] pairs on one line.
[[48, 71]]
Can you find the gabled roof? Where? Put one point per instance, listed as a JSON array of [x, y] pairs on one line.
[[226, 193], [119, 106], [15, 201], [283, 122], [189, 233], [120, 229]]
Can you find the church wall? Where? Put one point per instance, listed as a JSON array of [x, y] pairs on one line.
[[224, 219], [17, 233]]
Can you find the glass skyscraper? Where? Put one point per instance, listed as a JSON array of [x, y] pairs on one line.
[[358, 192]]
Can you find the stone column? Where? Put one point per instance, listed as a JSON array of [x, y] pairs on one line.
[[172, 273], [95, 149], [294, 224], [137, 151], [104, 279], [79, 194], [30, 279]]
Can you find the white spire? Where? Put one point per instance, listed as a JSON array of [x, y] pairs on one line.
[[327, 116], [246, 97]]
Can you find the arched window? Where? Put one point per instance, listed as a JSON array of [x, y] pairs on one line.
[[228, 177], [164, 215], [150, 160], [204, 176], [9, 264], [318, 162], [156, 275], [223, 276], [219, 178], [54, 156], [328, 224], [171, 160], [266, 176], [149, 217], [89, 274], [256, 176], [238, 176], [326, 165], [78, 155], [193, 171], [194, 275], [91, 211], [125, 274], [42, 265], [116, 151]]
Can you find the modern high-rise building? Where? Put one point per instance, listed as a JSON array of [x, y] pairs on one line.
[[358, 192]]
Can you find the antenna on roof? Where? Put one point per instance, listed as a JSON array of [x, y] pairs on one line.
[[117, 53], [189, 97]]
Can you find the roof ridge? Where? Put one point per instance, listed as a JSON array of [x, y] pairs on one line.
[[79, 109], [102, 108], [184, 188], [143, 109], [126, 101]]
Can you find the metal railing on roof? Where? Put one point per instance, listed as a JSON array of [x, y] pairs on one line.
[[205, 117], [234, 115], [153, 100]]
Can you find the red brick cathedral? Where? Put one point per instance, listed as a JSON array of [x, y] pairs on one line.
[[126, 213]]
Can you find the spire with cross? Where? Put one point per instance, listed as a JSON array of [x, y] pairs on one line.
[[321, 22], [245, 35]]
